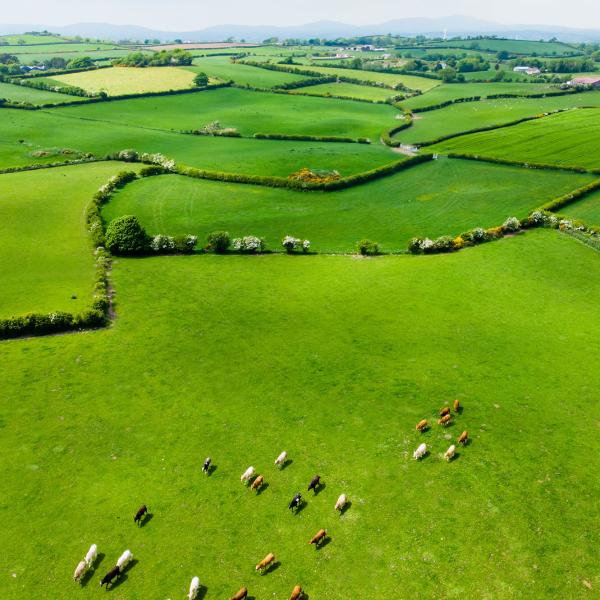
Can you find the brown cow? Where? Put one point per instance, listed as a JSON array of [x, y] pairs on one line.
[[456, 406], [265, 562], [257, 482], [243, 593], [421, 425], [444, 411], [463, 438], [296, 593], [318, 537], [314, 483], [445, 420]]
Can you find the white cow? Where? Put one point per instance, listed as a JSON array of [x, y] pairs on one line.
[[124, 559], [90, 557], [281, 459], [341, 502], [420, 452], [194, 587], [247, 474], [80, 571], [449, 454]]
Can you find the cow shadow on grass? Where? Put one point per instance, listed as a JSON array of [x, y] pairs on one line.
[[272, 567], [319, 488], [123, 576], [211, 470], [303, 504], [202, 591], [345, 507], [90, 572], [326, 541], [456, 456], [146, 519], [263, 488], [286, 464]]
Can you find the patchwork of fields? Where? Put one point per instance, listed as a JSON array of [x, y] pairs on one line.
[[333, 354]]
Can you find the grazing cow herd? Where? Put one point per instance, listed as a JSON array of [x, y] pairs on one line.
[[250, 478], [444, 420]]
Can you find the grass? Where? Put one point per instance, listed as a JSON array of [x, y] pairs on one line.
[[55, 49], [20, 93], [468, 115], [130, 80], [334, 360], [52, 129], [47, 263], [410, 81], [569, 138], [348, 90], [587, 209], [249, 112], [452, 91], [525, 47], [28, 39], [443, 197], [222, 68]]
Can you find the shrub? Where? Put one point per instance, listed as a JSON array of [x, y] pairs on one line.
[[185, 243], [317, 176], [201, 80], [128, 155], [218, 241], [152, 170], [367, 247], [125, 235], [292, 244], [162, 243], [249, 244], [444, 243], [511, 224]]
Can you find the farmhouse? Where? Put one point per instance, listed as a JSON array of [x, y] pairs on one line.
[[527, 70], [589, 81]]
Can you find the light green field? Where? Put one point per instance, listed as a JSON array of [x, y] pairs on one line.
[[464, 116], [19, 93], [222, 68], [28, 39], [438, 198], [130, 80], [40, 130], [47, 264], [56, 49], [587, 209], [96, 55], [452, 91], [348, 90], [334, 360], [410, 81], [514, 46], [569, 138], [248, 111]]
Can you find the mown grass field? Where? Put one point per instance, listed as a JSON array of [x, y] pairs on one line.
[[348, 90], [20, 93], [587, 209], [29, 39], [248, 111], [334, 360], [45, 254], [222, 68], [40, 130], [56, 49], [469, 115], [130, 80], [445, 197], [569, 138], [526, 47]]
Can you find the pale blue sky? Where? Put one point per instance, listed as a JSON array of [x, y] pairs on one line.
[[196, 14]]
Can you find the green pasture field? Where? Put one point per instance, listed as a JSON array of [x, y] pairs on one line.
[[469, 115], [248, 111], [20, 93], [57, 49], [334, 360], [28, 39], [569, 138], [525, 47], [96, 55], [587, 209], [348, 90], [452, 91], [130, 80], [427, 53], [222, 68], [410, 81], [47, 263], [439, 198], [40, 130]]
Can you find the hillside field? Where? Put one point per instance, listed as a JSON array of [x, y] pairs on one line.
[[20, 93]]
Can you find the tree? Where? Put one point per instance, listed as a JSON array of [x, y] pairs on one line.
[[201, 80], [83, 62], [125, 235]]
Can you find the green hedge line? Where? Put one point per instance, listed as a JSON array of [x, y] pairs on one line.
[[445, 104], [293, 85], [566, 199], [517, 163], [35, 167], [310, 138], [386, 137]]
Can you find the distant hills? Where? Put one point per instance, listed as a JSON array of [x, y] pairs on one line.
[[432, 27]]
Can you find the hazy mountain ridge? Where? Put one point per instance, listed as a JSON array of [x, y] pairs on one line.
[[454, 25]]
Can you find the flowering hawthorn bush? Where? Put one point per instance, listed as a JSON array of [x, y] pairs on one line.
[[249, 244], [292, 244]]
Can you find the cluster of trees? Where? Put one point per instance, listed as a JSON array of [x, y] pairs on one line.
[[559, 65], [164, 58]]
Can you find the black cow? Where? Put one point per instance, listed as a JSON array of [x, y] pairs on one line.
[[206, 465], [142, 510], [112, 574], [295, 503], [314, 483]]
